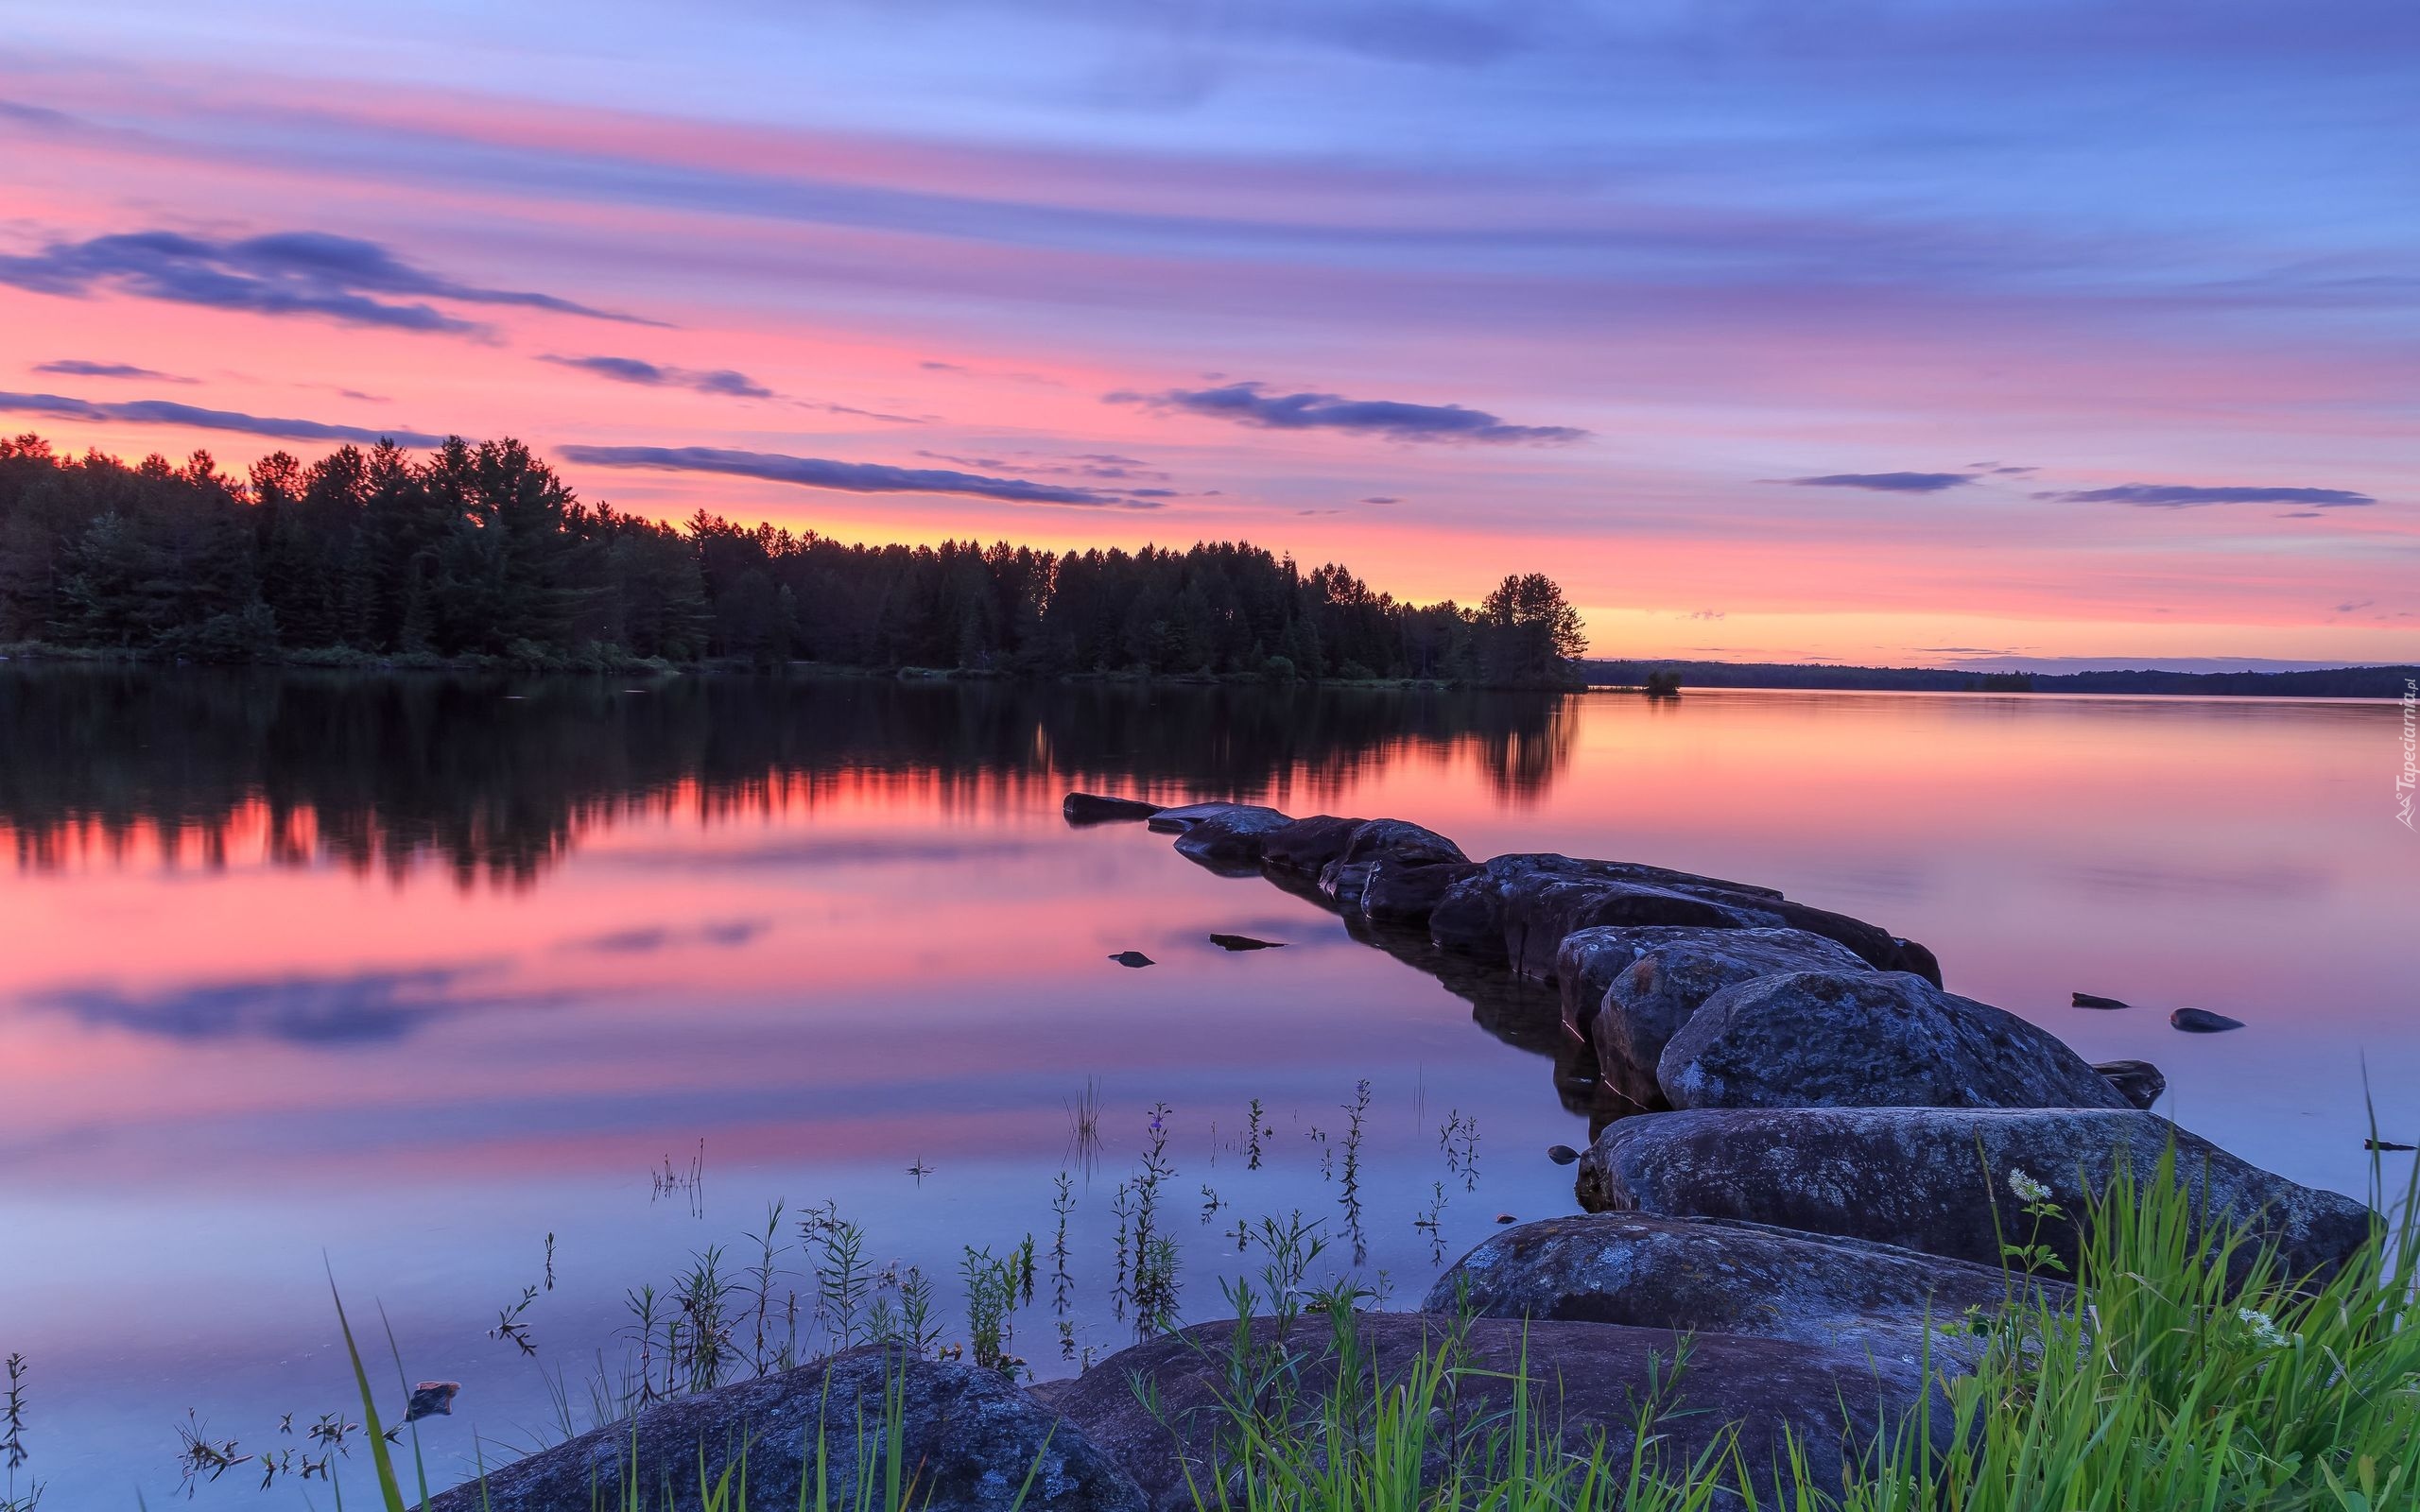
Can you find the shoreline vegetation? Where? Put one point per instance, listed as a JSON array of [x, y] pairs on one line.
[[480, 555]]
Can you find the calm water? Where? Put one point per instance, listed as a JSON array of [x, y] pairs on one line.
[[412, 974]]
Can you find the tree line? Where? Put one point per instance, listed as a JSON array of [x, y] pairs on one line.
[[482, 551]]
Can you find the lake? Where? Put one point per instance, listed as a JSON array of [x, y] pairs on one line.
[[455, 985]]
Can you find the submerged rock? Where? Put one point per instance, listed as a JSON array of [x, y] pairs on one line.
[[969, 1438], [1626, 992], [2201, 1021], [1134, 959], [1095, 808], [1706, 1276], [2137, 1081], [1868, 1039], [1588, 1380], [1939, 1179], [1245, 942]]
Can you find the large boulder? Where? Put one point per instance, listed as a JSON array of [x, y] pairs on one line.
[[969, 1438], [1588, 1380], [1519, 908], [1418, 863], [1858, 1039], [1402, 893], [1627, 991], [1306, 845], [1232, 838], [1180, 817], [1094, 808], [1943, 1180], [1707, 1276]]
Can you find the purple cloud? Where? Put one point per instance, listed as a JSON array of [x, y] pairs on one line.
[[163, 412], [722, 381], [303, 273], [848, 477], [1887, 482], [2192, 496], [78, 367], [1252, 403]]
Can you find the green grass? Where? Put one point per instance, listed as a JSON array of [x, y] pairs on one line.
[[2187, 1375]]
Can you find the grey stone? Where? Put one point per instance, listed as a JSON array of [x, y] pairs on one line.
[[1705, 1276], [1305, 846], [1627, 991], [1407, 851], [970, 1438], [1937, 1179], [1519, 908], [1231, 838], [1095, 808], [1180, 817], [1588, 1378], [2137, 1081], [1868, 1039], [2201, 1021], [1403, 892]]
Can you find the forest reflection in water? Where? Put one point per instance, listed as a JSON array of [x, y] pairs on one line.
[[492, 776]]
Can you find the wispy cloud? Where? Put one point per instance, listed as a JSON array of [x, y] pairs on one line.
[[1106, 467], [723, 380], [165, 412], [848, 477], [302, 272], [2193, 496], [1252, 404], [1887, 482], [78, 367]]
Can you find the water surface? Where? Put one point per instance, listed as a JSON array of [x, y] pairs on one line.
[[412, 972]]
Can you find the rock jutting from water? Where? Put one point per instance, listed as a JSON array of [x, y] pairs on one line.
[[2137, 1081], [1627, 991], [1163, 1409], [1095, 808], [1946, 1180], [969, 1438], [2201, 1021], [1713, 1275], [1868, 1039]]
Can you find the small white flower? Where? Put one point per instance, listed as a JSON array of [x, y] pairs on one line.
[[2028, 1189], [2264, 1328]]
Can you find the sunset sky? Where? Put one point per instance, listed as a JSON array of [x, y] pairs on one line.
[[1906, 333]]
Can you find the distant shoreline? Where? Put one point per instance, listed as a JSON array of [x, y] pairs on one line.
[[2335, 682], [2370, 683]]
